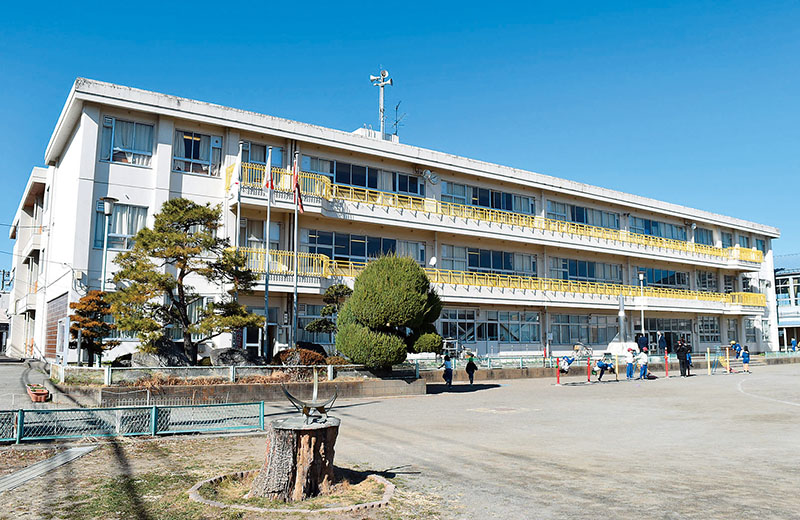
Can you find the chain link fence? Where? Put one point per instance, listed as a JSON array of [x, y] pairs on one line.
[[42, 424]]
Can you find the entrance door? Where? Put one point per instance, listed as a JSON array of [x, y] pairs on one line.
[[62, 341]]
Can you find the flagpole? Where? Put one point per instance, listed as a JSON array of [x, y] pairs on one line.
[[268, 185], [238, 209], [296, 248]]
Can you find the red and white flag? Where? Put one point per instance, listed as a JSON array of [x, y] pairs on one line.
[[266, 182], [298, 198]]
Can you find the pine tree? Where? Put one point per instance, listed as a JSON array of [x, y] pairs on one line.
[[333, 299], [88, 320], [156, 277]]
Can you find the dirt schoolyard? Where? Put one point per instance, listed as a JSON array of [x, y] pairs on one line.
[[704, 447]]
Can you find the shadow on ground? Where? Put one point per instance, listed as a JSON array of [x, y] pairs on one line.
[[459, 389]]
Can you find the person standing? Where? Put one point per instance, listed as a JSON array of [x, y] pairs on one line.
[[629, 364], [683, 358], [471, 368], [642, 359], [794, 345], [662, 343], [448, 371], [642, 342], [746, 359]]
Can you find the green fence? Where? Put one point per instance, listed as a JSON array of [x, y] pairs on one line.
[[49, 424]]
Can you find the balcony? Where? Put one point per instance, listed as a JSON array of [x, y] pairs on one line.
[[33, 242], [471, 287], [460, 218]]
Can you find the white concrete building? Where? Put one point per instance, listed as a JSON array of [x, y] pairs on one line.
[[520, 259]]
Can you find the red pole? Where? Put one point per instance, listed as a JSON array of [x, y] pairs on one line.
[[589, 369], [666, 362], [558, 373]]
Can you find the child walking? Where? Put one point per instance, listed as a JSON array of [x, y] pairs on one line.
[[448, 371], [746, 359], [471, 368], [642, 359]]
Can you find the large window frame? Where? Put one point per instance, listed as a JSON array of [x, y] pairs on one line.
[[656, 228], [708, 327], [595, 329], [190, 142], [256, 153], [114, 149], [119, 239], [666, 278], [584, 271]]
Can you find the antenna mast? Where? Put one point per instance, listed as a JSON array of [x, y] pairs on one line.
[[381, 81]]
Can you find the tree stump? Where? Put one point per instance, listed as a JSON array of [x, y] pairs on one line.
[[299, 460]]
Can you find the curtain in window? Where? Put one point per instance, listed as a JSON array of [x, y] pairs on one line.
[[258, 153], [123, 135], [205, 148], [127, 220]]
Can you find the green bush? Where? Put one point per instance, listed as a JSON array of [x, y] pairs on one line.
[[391, 312], [390, 292], [430, 342], [366, 347]]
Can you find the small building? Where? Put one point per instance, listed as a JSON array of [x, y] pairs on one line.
[[787, 292]]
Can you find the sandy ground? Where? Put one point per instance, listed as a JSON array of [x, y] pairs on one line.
[[703, 447]]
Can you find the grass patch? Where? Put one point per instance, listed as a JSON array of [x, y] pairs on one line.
[[350, 488]]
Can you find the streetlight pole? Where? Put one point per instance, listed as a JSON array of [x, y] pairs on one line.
[[108, 210], [641, 303]]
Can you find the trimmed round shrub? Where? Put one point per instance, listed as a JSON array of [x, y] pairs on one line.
[[299, 356], [430, 342], [391, 292], [366, 347]]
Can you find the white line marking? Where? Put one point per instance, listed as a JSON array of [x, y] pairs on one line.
[[739, 387]]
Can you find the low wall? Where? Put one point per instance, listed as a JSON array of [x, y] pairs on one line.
[[242, 393]]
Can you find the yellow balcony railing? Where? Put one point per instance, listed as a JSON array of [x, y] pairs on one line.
[[315, 265], [282, 262], [321, 186]]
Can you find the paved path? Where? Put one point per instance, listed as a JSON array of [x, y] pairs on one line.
[[704, 447], [22, 476], [13, 378]]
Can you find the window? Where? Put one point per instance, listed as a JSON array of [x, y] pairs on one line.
[[124, 223], [194, 310], [355, 175], [706, 281], [585, 271], [458, 324], [524, 205], [317, 165], [655, 228], [704, 236], [312, 313], [452, 192], [197, 153], [733, 329], [728, 283], [661, 278], [511, 327], [750, 332], [251, 234], [782, 292], [761, 245], [744, 241], [569, 329], [709, 329], [727, 239], [454, 258], [557, 210], [415, 250], [126, 142], [257, 153], [406, 184], [500, 262], [357, 248], [582, 215]]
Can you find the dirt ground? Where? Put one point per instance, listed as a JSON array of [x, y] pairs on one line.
[[699, 448]]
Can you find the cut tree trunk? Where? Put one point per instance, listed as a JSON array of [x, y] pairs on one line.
[[299, 460]]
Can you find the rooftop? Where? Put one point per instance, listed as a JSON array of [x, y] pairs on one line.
[[92, 91]]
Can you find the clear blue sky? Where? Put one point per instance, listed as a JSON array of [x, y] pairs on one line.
[[694, 103]]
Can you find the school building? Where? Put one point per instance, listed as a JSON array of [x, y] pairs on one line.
[[521, 260]]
